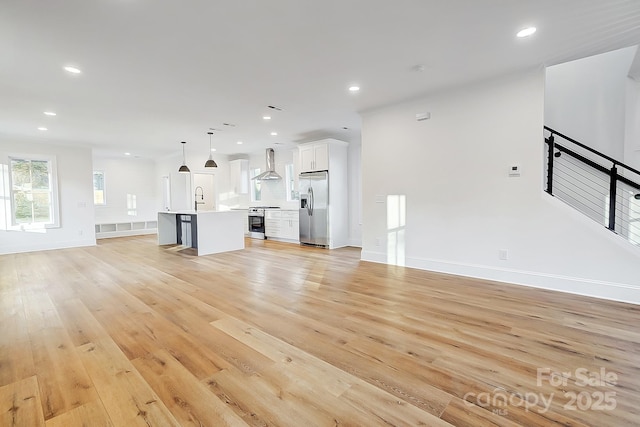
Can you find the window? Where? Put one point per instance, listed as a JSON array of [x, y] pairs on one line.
[[99, 196], [34, 198], [256, 192], [292, 194], [132, 208], [396, 228]]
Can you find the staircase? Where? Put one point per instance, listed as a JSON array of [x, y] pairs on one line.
[[597, 185]]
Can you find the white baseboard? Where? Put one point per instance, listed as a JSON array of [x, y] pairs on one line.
[[47, 247], [124, 233], [574, 285]]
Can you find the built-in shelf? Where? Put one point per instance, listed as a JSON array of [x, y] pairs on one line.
[[120, 229]]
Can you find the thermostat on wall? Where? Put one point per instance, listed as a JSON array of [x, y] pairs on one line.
[[514, 171]]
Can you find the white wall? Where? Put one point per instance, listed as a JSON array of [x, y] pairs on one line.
[[75, 190], [632, 124], [586, 99], [125, 176], [355, 194], [461, 206]]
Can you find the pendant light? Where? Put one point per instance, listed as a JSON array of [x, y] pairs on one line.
[[184, 168], [210, 163]]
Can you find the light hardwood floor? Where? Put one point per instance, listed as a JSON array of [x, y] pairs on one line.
[[128, 333]]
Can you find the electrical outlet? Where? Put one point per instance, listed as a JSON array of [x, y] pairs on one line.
[[503, 254]]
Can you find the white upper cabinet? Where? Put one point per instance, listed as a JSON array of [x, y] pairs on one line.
[[314, 157], [239, 176], [307, 159]]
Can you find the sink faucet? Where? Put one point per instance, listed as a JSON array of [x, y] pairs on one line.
[[201, 198]]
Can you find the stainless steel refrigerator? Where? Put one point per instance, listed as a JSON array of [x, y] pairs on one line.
[[314, 208]]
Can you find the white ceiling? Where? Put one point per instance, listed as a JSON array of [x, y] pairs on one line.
[[157, 72]]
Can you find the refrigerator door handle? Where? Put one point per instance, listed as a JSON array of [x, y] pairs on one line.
[[310, 207]]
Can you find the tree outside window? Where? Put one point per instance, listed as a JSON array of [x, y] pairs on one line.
[[32, 191], [99, 196]]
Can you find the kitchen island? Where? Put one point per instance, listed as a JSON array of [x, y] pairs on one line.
[[208, 232]]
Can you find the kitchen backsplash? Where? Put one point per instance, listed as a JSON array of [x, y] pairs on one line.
[[272, 193]]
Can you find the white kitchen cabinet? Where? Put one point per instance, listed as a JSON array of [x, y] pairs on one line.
[[290, 225], [239, 176], [272, 224], [314, 157], [281, 225]]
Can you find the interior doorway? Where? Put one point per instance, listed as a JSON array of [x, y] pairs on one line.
[[204, 191]]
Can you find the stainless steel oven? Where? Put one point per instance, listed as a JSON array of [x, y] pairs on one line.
[[256, 223]]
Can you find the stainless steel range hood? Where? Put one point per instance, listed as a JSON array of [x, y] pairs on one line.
[[270, 174]]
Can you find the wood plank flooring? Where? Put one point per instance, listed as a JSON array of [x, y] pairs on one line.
[[128, 333]]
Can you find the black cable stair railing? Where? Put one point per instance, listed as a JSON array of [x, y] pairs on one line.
[[579, 176]]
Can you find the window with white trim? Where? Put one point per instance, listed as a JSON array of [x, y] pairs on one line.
[[290, 179], [256, 184], [99, 195], [34, 194], [132, 205]]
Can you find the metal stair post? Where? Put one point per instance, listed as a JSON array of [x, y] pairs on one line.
[[613, 188], [550, 156]]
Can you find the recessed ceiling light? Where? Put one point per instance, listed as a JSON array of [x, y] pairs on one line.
[[266, 117], [49, 113], [42, 128], [526, 32], [213, 149], [274, 133], [72, 70], [127, 154], [239, 142], [354, 88]]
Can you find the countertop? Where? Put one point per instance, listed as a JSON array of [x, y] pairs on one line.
[[192, 212]]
